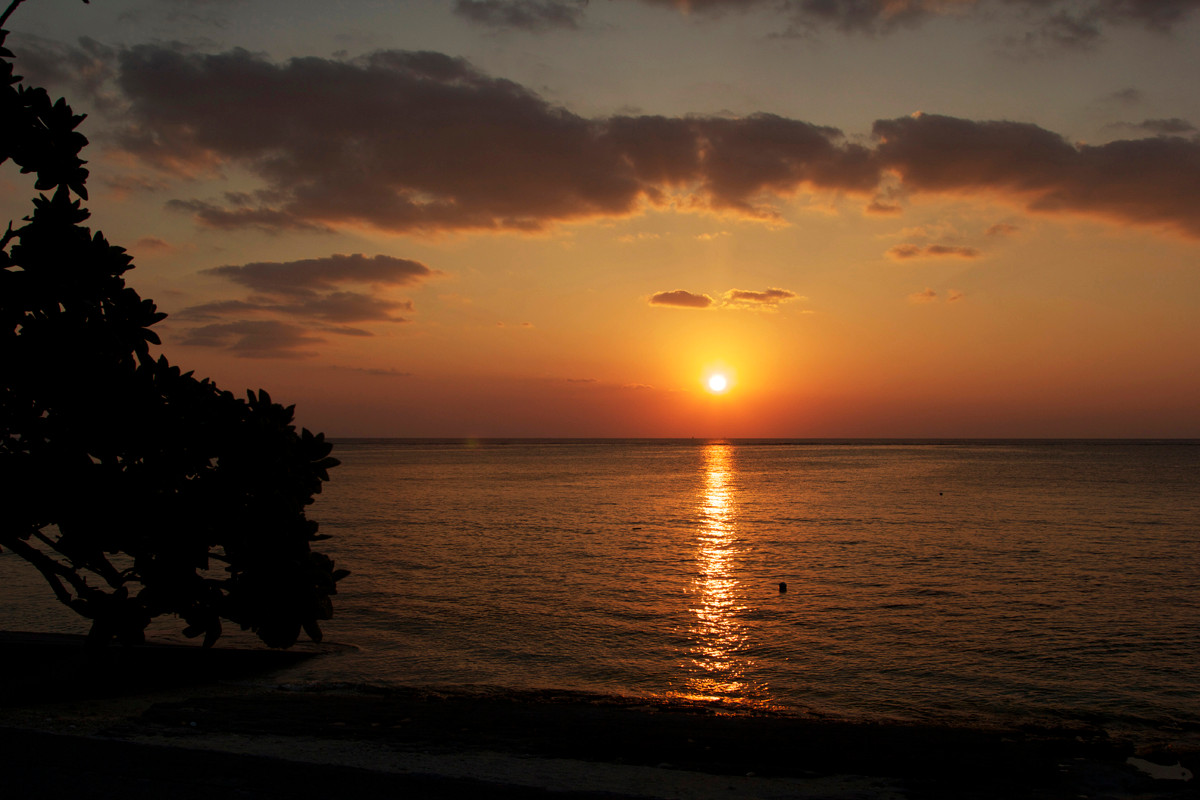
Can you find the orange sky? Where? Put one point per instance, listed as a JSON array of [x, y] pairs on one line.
[[539, 218]]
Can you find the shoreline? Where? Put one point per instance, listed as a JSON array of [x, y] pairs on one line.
[[455, 741]]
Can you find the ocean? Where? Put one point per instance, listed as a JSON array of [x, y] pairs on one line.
[[970, 583]]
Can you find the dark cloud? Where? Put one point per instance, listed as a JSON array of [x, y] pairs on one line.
[[769, 297], [85, 68], [528, 15], [903, 252], [408, 141], [255, 339], [1145, 181], [421, 141], [309, 275], [308, 291], [681, 299], [268, 220]]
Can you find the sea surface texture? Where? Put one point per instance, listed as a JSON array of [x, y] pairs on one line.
[[974, 583]]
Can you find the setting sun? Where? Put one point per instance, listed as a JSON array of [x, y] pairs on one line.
[[718, 383]]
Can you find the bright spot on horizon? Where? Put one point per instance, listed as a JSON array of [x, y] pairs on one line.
[[718, 383]]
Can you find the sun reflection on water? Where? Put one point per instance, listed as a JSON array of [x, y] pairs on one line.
[[717, 666]]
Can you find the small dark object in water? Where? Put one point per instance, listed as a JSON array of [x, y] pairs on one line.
[[782, 587]]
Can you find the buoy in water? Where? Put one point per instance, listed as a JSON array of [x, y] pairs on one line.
[[782, 587]]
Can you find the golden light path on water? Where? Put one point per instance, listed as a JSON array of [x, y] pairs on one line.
[[717, 667]]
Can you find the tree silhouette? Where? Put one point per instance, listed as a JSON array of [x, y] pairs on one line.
[[134, 488]]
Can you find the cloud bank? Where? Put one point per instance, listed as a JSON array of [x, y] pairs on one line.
[[1061, 22], [407, 141], [421, 142]]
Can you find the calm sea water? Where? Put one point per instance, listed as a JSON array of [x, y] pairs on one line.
[[975, 583]]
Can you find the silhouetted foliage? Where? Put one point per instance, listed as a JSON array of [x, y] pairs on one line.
[[134, 488]]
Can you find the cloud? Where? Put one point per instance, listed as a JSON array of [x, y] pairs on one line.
[[527, 15], [379, 372], [422, 142], [902, 252], [1152, 181], [928, 295], [333, 307], [681, 299], [770, 297], [1163, 127], [1002, 229], [268, 220], [951, 250], [151, 244], [1068, 21], [255, 339], [1126, 97], [309, 275], [87, 68], [308, 290]]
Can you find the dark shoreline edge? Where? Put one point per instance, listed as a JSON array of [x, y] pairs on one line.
[[925, 760], [184, 710]]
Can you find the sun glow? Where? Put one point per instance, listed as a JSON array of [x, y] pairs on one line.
[[718, 383]]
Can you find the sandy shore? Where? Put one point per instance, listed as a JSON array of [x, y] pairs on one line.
[[150, 724]]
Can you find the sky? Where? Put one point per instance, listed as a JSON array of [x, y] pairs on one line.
[[506, 218]]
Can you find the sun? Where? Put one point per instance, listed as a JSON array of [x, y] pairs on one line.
[[718, 383]]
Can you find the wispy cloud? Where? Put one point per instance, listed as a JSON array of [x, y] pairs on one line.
[[255, 339], [903, 252]]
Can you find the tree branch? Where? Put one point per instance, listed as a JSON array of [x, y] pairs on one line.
[[8, 12]]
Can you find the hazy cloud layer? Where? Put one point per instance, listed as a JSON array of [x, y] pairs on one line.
[[333, 307], [406, 141], [255, 339], [527, 15], [681, 299], [1067, 21]]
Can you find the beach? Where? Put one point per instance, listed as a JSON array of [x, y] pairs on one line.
[[178, 732]]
